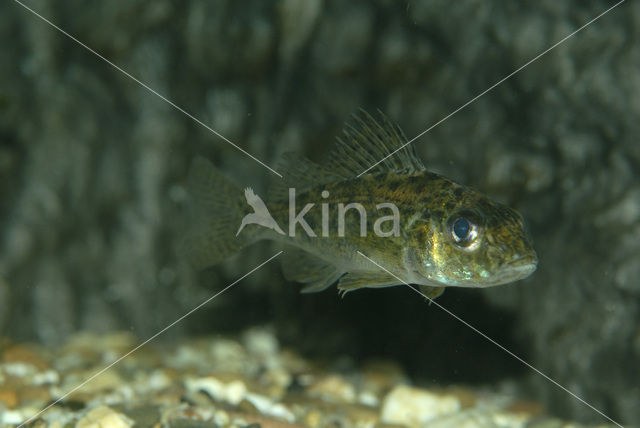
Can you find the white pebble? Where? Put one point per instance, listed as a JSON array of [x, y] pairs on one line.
[[232, 392], [104, 417], [413, 407], [267, 407]]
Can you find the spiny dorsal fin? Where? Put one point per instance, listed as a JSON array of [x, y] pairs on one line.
[[302, 174], [365, 142]]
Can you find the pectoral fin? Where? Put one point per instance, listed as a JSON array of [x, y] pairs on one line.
[[431, 293], [355, 280], [321, 284], [300, 266]]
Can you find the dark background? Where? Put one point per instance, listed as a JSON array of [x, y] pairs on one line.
[[92, 168]]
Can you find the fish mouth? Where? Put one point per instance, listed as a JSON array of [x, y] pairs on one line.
[[520, 267]]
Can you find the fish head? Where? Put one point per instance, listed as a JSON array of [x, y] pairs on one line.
[[475, 243]]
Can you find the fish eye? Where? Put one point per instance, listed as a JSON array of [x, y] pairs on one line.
[[463, 230]]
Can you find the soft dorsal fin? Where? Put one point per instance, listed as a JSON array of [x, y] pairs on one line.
[[301, 173], [365, 142]]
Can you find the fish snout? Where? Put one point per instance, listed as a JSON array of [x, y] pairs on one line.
[[522, 266]]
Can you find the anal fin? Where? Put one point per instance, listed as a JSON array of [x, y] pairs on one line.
[[356, 280]]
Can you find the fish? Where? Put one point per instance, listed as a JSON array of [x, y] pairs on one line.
[[428, 230]]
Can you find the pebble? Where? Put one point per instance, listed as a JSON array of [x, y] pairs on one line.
[[8, 397], [221, 418], [18, 369], [231, 392], [13, 417], [45, 378], [107, 381], [333, 388], [413, 407], [267, 407], [24, 355], [368, 398], [104, 417], [229, 356], [260, 342]]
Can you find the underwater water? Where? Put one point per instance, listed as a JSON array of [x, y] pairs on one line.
[[104, 321]]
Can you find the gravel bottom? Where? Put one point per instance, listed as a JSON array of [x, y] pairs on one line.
[[248, 381]]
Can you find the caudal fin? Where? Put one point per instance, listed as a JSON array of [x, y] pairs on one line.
[[216, 209]]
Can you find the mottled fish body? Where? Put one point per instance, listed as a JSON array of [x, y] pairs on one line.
[[423, 228]]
